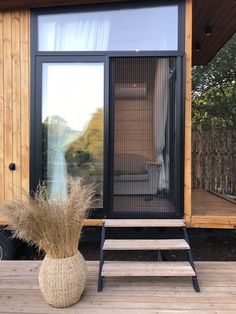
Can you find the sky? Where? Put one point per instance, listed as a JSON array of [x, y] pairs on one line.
[[72, 91]]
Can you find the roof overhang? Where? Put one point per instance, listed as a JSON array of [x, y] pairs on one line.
[[214, 22]]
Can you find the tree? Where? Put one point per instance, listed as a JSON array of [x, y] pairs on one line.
[[214, 90], [91, 139], [86, 151]]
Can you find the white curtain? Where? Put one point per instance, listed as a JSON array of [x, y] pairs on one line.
[[59, 138], [84, 34], [56, 163], [161, 99]]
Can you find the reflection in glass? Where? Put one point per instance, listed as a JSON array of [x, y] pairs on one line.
[[72, 125], [110, 30]]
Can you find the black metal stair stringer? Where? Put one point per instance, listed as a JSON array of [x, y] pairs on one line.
[[191, 262], [101, 259]]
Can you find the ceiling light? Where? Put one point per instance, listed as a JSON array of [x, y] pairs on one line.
[[208, 30], [197, 47]]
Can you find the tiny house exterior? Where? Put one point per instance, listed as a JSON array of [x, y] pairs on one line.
[[103, 91]]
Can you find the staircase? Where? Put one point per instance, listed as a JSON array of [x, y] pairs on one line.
[[157, 268]]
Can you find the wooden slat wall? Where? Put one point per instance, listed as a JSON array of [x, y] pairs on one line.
[[1, 113], [7, 96], [25, 97], [16, 85], [188, 112], [133, 127], [14, 103]]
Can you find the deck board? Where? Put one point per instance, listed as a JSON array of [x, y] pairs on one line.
[[205, 203], [150, 269], [19, 292], [134, 244], [127, 223]]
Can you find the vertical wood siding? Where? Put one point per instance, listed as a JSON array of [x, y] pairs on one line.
[[14, 103], [188, 112], [1, 113]]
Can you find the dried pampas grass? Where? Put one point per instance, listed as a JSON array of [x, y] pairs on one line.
[[54, 225]]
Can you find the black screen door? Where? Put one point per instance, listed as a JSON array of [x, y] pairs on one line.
[[144, 163]]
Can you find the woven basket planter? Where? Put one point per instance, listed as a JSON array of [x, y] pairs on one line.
[[62, 281]]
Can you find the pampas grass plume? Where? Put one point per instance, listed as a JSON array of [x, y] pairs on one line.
[[53, 225]]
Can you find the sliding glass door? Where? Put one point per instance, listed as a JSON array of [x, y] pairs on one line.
[[120, 133], [72, 124]]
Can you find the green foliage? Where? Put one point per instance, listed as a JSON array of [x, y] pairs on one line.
[[91, 140], [83, 151], [87, 149], [214, 90]]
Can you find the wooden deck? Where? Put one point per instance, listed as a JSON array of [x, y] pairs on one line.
[[19, 292], [205, 203], [211, 211]]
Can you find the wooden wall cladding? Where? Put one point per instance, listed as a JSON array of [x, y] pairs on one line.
[[14, 103], [188, 113]]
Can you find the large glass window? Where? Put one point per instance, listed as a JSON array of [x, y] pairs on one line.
[[105, 112], [136, 29], [72, 125]]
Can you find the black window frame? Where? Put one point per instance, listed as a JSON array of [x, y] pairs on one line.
[[37, 57]]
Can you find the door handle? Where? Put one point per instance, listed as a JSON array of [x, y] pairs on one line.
[[12, 166]]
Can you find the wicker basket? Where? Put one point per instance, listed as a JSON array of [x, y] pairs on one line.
[[62, 281]]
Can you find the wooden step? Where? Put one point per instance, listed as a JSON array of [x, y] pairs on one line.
[[169, 244], [125, 223], [150, 269]]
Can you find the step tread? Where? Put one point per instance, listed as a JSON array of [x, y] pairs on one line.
[[163, 244], [125, 223], [147, 269]]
